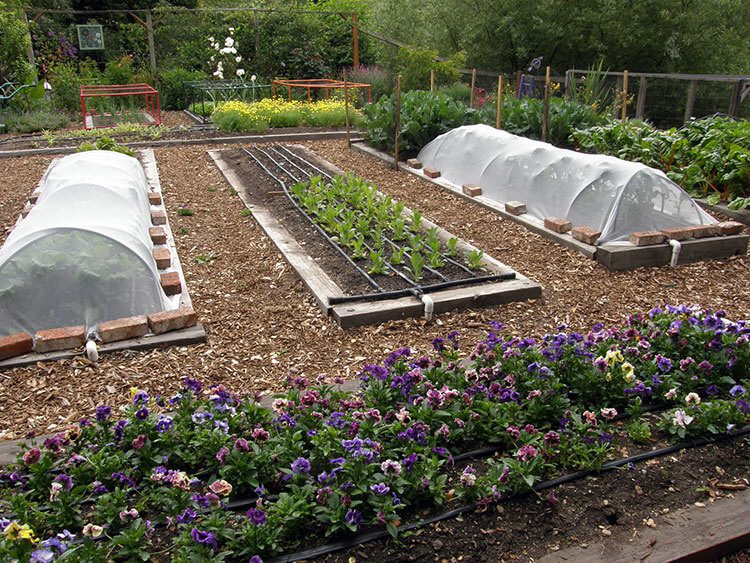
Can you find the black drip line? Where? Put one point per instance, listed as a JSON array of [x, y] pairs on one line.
[[382, 534], [416, 290]]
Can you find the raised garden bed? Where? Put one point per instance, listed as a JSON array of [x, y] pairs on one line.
[[613, 256], [177, 327], [370, 271]]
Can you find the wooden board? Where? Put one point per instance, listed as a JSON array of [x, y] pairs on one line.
[[191, 335], [690, 534]]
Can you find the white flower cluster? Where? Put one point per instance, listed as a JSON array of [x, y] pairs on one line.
[[227, 53]]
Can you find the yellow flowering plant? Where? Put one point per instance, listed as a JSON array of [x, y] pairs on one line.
[[277, 112]]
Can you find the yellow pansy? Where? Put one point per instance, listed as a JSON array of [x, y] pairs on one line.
[[627, 369], [613, 356]]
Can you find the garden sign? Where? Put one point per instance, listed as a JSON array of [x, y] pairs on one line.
[[90, 37]]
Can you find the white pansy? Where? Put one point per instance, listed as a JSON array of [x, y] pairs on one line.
[[229, 41], [240, 71], [253, 78], [238, 59]]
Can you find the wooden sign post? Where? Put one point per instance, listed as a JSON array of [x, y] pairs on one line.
[[346, 110]]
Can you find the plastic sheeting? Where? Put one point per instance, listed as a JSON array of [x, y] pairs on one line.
[[613, 196], [83, 254]]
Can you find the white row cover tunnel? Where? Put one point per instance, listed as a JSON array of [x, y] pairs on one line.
[[614, 196], [83, 254]]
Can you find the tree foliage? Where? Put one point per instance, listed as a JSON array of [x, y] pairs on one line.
[[707, 36]]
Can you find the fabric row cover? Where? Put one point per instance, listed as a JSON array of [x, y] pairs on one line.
[[614, 196], [83, 254]]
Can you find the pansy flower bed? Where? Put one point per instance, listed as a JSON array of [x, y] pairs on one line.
[[208, 475]]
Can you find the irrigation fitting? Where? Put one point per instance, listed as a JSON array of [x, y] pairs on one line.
[[676, 248]]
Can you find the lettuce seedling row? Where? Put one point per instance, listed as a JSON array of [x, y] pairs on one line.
[[365, 256]]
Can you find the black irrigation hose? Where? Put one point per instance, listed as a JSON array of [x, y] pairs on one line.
[[336, 247], [380, 534], [422, 289], [389, 241]]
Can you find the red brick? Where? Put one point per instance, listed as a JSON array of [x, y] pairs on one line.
[[678, 233], [34, 197], [26, 209], [586, 234], [558, 225], [646, 238], [515, 207], [172, 320], [431, 173], [15, 345], [472, 190], [705, 231], [171, 284], [123, 329], [163, 258], [58, 339], [158, 218], [414, 163], [730, 228], [154, 198], [157, 234]]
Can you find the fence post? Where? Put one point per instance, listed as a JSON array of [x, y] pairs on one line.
[[151, 49], [568, 84], [398, 121], [355, 41], [624, 96], [734, 101], [690, 100], [432, 80], [473, 85], [346, 110], [499, 100], [545, 111], [618, 88], [641, 107]]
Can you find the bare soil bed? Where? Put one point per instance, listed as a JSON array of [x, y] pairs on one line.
[[263, 325]]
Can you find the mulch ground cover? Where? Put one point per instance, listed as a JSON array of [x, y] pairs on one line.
[[263, 327]]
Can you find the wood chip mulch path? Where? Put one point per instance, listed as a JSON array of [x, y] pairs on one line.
[[263, 325]]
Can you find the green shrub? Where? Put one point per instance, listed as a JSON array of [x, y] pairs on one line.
[[174, 93], [119, 71], [204, 109], [13, 42], [424, 116], [381, 81], [66, 87], [415, 66], [458, 91], [34, 120]]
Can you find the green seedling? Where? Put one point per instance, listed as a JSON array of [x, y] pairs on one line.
[[416, 260], [378, 263], [475, 259], [452, 250]]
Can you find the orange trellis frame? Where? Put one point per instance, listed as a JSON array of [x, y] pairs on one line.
[[326, 84]]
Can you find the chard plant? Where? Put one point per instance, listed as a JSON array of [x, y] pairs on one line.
[[452, 251], [379, 265], [416, 261], [474, 259], [397, 255]]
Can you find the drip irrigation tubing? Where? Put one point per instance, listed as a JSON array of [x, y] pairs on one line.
[[337, 300], [336, 247], [380, 534], [367, 246], [400, 293]]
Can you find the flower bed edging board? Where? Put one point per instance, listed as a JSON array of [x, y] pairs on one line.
[[612, 256], [325, 290]]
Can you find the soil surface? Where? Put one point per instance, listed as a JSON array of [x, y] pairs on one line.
[[264, 326], [611, 508]]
